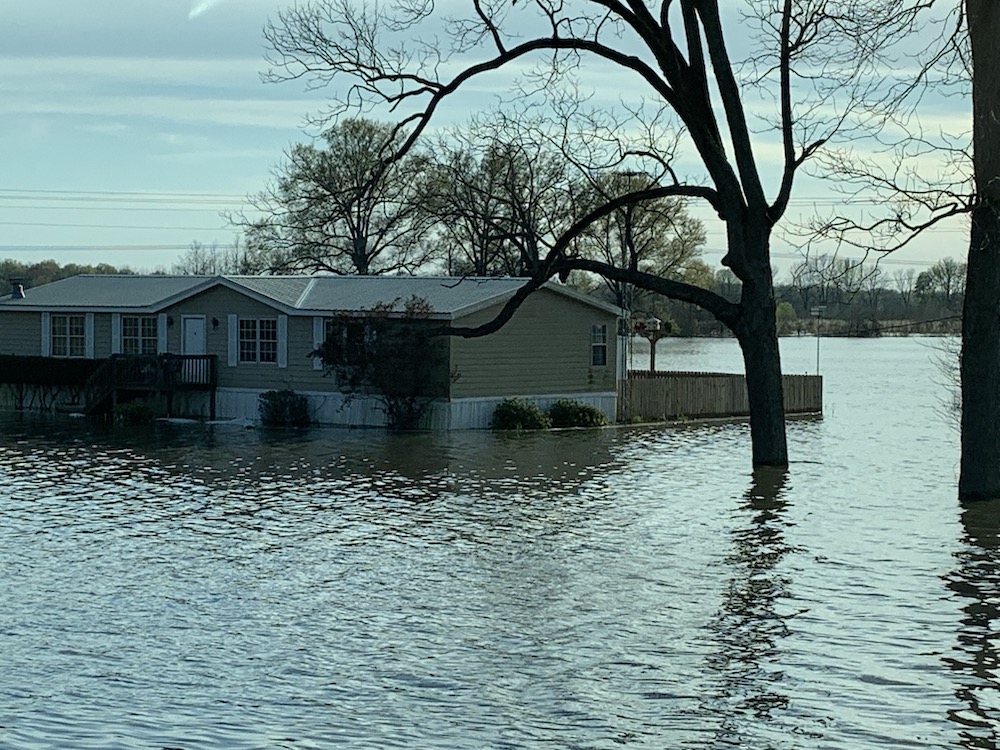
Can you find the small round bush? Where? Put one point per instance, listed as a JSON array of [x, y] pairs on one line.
[[133, 412], [283, 409], [518, 414], [568, 413]]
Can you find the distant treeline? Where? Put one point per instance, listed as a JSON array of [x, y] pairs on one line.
[[46, 271], [836, 297]]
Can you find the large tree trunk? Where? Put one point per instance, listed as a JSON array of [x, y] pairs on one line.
[[980, 368], [756, 329], [757, 332], [980, 464]]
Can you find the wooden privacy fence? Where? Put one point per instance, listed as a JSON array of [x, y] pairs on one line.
[[674, 395]]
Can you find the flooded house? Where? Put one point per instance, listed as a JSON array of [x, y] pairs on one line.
[[198, 346]]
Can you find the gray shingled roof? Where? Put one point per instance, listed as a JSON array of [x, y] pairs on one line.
[[447, 296], [107, 291]]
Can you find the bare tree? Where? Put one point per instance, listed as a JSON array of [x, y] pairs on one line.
[[501, 199], [342, 207], [905, 280], [212, 260], [872, 282], [945, 280], [955, 175], [811, 57], [812, 280], [657, 237], [472, 221]]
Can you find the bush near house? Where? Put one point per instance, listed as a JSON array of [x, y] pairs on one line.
[[568, 413], [283, 409], [392, 353], [518, 414], [132, 413]]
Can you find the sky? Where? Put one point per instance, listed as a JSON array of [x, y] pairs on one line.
[[127, 127]]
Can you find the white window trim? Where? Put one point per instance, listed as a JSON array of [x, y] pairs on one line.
[[595, 330], [116, 333], [279, 339], [88, 335]]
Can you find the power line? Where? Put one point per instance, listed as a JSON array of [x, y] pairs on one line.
[[32, 194], [91, 248], [108, 226], [108, 208]]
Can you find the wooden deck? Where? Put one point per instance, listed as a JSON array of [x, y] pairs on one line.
[[125, 376]]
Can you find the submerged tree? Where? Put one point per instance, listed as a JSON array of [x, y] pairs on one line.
[[811, 58], [980, 365], [923, 176]]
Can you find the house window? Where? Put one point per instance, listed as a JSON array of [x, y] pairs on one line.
[[69, 337], [599, 346], [139, 334], [348, 341], [258, 340]]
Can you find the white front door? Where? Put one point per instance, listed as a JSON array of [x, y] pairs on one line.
[[193, 342], [193, 334]]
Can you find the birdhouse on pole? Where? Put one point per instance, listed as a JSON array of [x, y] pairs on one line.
[[652, 329]]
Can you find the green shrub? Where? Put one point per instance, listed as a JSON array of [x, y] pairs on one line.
[[567, 413], [133, 412], [518, 414], [283, 409]]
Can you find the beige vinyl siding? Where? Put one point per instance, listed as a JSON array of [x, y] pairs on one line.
[[299, 374], [544, 349], [219, 303], [21, 333]]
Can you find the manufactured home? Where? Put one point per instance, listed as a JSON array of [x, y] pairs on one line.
[[215, 344]]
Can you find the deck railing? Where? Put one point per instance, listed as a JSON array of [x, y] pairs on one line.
[[153, 372]]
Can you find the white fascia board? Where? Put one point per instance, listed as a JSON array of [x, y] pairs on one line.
[[583, 298], [80, 309], [549, 286]]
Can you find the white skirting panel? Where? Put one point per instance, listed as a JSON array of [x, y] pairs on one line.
[[460, 414], [324, 407], [476, 413]]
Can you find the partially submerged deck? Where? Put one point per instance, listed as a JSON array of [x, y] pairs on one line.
[[96, 386], [127, 376]]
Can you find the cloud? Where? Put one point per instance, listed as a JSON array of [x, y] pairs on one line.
[[201, 6]]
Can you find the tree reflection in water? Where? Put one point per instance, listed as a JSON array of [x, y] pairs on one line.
[[748, 626], [976, 658]]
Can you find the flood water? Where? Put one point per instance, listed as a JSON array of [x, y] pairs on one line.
[[190, 587]]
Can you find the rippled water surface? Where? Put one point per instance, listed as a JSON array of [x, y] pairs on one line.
[[194, 587]]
